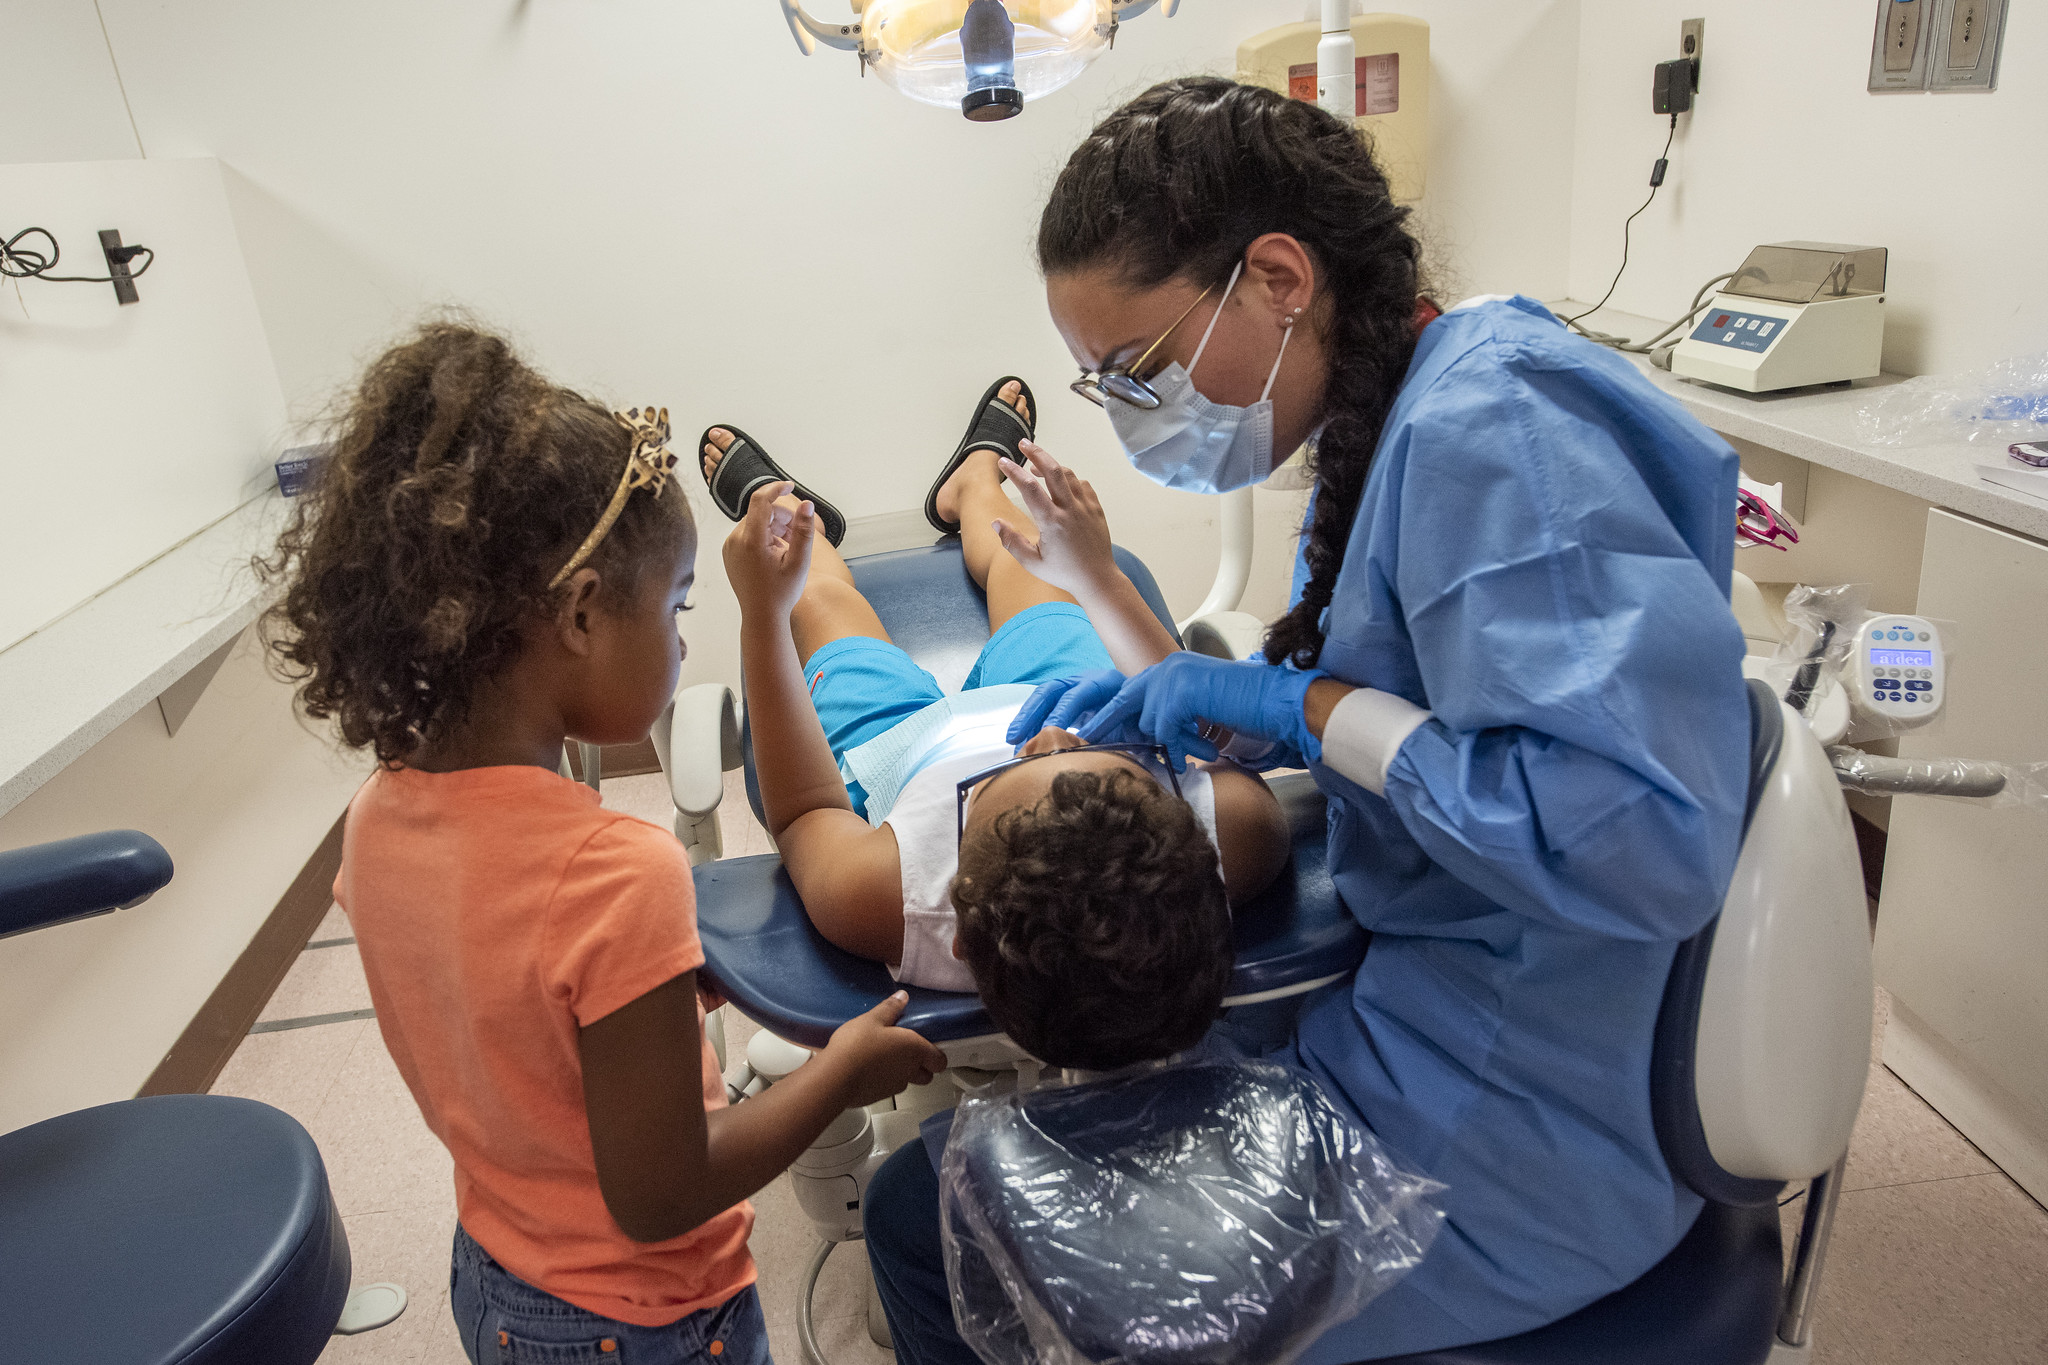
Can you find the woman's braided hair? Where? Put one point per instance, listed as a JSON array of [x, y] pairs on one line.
[[1179, 182], [460, 480]]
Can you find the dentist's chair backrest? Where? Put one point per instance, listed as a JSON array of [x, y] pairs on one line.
[[1763, 1043]]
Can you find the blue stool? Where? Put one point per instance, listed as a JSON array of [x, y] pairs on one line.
[[182, 1229]]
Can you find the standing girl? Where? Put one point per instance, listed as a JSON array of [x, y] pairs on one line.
[[492, 564]]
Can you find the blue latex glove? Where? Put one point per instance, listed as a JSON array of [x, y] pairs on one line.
[[1065, 702], [1170, 702]]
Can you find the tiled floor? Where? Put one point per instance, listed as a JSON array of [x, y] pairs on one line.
[[1937, 1259]]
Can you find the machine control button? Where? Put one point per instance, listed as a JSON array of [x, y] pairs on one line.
[[1925, 636], [1919, 686], [1877, 635]]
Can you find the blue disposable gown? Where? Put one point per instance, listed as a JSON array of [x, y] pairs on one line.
[[1541, 558]]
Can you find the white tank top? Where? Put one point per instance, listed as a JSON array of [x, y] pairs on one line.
[[924, 817]]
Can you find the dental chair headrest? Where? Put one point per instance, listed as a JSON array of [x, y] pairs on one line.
[[1216, 1212]]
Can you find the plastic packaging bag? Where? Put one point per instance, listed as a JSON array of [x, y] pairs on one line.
[[2007, 401], [1215, 1212]]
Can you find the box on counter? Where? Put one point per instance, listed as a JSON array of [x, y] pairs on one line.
[[299, 466]]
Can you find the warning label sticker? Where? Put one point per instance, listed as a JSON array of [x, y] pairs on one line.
[[1378, 83]]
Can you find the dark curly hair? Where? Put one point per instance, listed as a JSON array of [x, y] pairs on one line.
[[1179, 182], [459, 482], [1095, 923]]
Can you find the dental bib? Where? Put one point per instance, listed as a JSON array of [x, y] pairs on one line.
[[885, 764]]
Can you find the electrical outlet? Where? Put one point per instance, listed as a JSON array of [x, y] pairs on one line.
[[1963, 49], [1898, 50], [1692, 37], [117, 265]]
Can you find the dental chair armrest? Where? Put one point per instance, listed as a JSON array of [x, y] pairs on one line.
[[46, 884], [1878, 775], [697, 740], [1224, 634]]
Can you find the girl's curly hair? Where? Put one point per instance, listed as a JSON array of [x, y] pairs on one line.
[[1179, 181], [1095, 922], [459, 481]]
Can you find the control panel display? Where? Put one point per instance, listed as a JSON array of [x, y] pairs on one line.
[[1900, 672], [1743, 331]]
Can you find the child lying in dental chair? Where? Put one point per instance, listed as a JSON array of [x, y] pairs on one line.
[[1082, 890]]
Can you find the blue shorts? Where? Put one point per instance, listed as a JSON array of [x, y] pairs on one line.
[[863, 686]]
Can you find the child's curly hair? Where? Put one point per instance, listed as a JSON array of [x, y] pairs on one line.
[[1095, 922], [460, 480]]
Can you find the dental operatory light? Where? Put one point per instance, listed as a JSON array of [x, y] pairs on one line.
[[987, 57]]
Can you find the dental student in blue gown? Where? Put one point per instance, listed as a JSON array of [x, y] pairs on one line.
[[1509, 662]]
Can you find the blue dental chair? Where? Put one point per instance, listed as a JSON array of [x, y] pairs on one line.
[[761, 952], [1762, 1044], [171, 1230]]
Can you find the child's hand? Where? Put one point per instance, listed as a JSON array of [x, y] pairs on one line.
[[768, 555], [1072, 550], [879, 1059]]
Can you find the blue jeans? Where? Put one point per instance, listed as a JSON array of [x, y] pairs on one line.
[[901, 1219], [506, 1321]]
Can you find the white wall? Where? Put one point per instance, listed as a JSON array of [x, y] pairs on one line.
[[127, 428], [239, 799], [61, 100], [1786, 143], [669, 203]]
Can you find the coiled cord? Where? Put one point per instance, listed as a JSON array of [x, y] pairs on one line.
[[18, 262]]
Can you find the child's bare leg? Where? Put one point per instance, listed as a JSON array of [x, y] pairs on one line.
[[974, 497], [831, 608]]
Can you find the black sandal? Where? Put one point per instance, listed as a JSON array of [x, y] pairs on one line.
[[995, 426], [744, 467]]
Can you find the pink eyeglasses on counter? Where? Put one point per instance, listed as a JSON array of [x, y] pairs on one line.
[[1757, 524]]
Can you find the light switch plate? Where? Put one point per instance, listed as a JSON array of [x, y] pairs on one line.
[[1963, 50], [1898, 50]]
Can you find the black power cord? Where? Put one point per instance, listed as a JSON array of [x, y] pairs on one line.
[[1656, 183], [19, 262]]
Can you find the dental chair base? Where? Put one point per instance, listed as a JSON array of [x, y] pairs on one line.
[[830, 1179]]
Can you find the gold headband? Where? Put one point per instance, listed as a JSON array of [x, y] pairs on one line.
[[647, 466]]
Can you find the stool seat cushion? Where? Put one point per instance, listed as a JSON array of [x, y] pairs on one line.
[[1712, 1301], [177, 1228]]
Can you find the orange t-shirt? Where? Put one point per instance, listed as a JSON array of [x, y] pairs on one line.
[[498, 910]]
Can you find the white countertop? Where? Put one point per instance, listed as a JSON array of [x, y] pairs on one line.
[[1820, 427], [67, 686]]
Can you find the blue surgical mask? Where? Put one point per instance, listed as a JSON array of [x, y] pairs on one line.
[[1191, 443]]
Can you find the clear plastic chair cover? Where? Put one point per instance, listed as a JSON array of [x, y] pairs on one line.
[[1215, 1212]]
